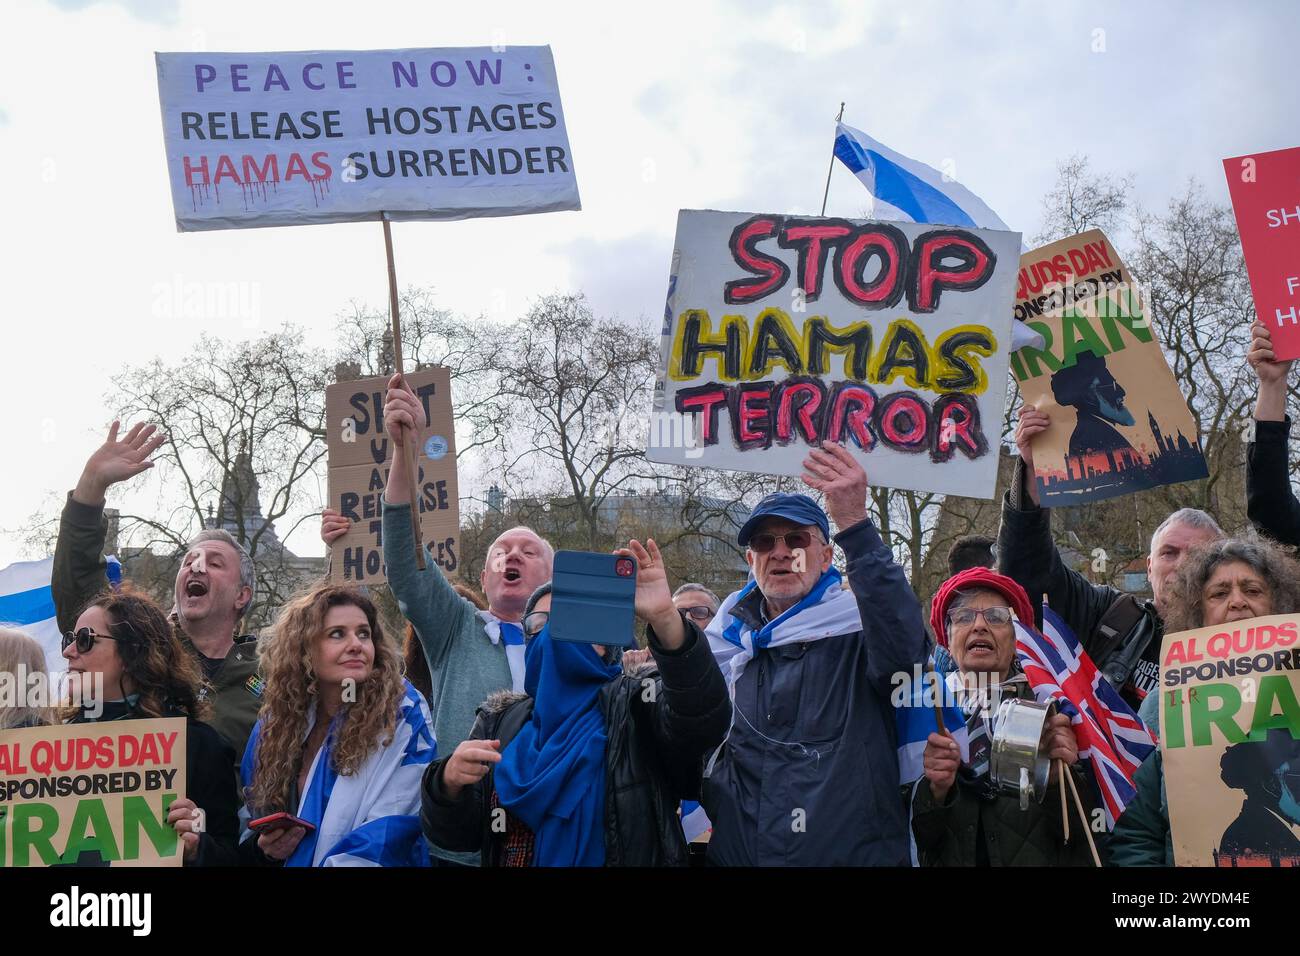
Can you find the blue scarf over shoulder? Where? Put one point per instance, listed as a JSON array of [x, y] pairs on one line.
[[552, 775]]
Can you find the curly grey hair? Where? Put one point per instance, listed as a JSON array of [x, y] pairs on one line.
[[1280, 571]]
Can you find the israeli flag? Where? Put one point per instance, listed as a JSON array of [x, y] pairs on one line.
[[27, 602], [909, 191], [914, 716]]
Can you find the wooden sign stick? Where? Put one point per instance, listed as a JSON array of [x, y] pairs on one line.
[[413, 438], [1065, 815], [938, 694], [1087, 830]]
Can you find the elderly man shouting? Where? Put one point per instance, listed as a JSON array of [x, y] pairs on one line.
[[808, 775]]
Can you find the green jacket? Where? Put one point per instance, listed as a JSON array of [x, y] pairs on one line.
[[235, 692], [1142, 836], [465, 667]]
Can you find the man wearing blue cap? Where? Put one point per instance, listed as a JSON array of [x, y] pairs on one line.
[[808, 775]]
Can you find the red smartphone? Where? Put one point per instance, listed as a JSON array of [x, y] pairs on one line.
[[278, 821]]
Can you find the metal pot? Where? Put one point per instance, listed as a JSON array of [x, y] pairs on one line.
[[1019, 763]]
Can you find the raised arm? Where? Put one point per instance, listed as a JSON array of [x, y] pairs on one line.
[[1271, 503], [891, 615], [426, 598], [688, 704], [79, 566], [1027, 555]]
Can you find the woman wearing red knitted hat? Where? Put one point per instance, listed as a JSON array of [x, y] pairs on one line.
[[958, 817]]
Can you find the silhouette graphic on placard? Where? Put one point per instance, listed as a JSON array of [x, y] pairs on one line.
[[1099, 457], [1264, 833]]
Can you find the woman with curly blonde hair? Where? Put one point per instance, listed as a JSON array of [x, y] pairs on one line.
[[341, 741]]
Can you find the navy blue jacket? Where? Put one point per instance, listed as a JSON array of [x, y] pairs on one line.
[[809, 774]]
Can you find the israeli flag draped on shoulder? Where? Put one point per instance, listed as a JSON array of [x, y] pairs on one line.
[[914, 718], [372, 817], [828, 610], [915, 721]]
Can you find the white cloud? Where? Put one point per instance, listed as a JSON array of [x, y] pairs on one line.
[[679, 105]]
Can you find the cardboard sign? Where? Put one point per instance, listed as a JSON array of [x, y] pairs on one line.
[[93, 794], [359, 458], [284, 139], [1265, 189], [1230, 742], [783, 331], [1119, 422]]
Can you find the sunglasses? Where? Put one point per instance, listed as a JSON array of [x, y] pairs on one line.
[[699, 612], [794, 540], [993, 616], [534, 623], [84, 638]]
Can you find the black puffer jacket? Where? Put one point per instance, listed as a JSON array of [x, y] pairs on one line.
[[660, 724], [1027, 555]]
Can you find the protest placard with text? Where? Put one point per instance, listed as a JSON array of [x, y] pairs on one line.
[[1119, 423], [282, 139], [358, 472], [1265, 190], [1230, 742], [91, 794], [784, 331]]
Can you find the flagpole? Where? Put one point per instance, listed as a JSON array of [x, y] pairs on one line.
[[831, 168]]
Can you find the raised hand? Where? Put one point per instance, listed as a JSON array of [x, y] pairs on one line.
[[1261, 358], [838, 476], [1030, 423], [402, 410], [654, 599], [1270, 404], [116, 461]]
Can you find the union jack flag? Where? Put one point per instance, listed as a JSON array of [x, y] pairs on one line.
[[1111, 736]]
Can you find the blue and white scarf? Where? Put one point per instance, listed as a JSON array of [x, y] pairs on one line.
[[828, 610], [372, 817], [514, 646]]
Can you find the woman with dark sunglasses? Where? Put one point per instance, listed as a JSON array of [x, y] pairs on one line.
[[959, 818], [126, 663]]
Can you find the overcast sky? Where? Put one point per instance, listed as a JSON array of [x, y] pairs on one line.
[[693, 105]]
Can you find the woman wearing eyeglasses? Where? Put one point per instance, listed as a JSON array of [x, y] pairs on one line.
[[1220, 583], [588, 766], [958, 817], [126, 663]]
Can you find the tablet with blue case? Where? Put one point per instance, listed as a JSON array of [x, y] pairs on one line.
[[592, 597]]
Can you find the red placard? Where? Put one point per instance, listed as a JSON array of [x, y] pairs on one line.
[[1265, 190]]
